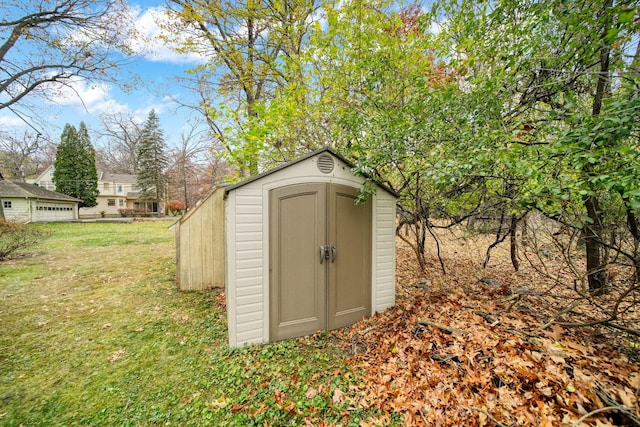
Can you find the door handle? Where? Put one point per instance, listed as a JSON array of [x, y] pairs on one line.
[[334, 252], [324, 253]]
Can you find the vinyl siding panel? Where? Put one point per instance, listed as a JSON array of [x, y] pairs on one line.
[[250, 337], [245, 267], [384, 265]]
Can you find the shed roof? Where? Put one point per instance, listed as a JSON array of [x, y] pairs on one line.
[[301, 159], [30, 191]]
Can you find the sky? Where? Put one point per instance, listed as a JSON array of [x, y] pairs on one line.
[[156, 68]]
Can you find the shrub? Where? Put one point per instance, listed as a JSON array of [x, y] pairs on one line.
[[134, 212], [176, 207], [16, 237]]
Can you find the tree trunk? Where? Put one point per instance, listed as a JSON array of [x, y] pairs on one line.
[[596, 276], [251, 87], [513, 227], [596, 267]]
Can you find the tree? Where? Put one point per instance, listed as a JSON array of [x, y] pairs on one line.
[[75, 171], [49, 44], [376, 92], [566, 92], [119, 151], [23, 155], [188, 175], [248, 45], [152, 160], [509, 107]]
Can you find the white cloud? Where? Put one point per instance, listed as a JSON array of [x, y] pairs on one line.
[[85, 96], [10, 121], [150, 43]]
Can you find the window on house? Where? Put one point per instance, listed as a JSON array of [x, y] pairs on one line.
[[105, 186], [7, 204], [121, 202], [119, 188], [111, 202]]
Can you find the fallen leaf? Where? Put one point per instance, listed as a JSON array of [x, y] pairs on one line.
[[220, 402], [338, 396], [277, 394], [290, 408], [557, 332], [117, 355], [627, 397], [311, 393]]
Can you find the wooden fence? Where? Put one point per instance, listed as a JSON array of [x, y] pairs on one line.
[[200, 260]]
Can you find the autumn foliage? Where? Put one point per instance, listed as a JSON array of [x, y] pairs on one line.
[[458, 352], [176, 206]]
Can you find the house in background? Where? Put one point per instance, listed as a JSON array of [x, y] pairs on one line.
[[119, 193], [24, 202]]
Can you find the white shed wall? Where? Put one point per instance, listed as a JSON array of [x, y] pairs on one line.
[[245, 271], [248, 247], [383, 273]]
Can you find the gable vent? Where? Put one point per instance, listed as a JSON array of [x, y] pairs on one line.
[[325, 163]]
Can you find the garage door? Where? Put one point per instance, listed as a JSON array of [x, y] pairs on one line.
[[51, 211]]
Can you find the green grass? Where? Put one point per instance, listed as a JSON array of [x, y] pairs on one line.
[[94, 332]]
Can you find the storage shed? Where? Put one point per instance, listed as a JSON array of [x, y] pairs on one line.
[[299, 254]]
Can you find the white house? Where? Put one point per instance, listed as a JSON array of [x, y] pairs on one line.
[[117, 192], [22, 202]]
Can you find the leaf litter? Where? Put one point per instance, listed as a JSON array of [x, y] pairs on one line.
[[454, 351]]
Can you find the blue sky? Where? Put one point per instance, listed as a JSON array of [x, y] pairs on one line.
[[154, 65]]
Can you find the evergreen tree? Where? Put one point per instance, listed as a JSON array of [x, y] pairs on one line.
[[75, 171], [89, 185], [152, 160]]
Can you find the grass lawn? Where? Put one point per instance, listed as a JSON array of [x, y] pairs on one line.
[[94, 332]]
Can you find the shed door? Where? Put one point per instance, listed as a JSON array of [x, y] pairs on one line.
[[349, 283], [320, 259], [297, 300]]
